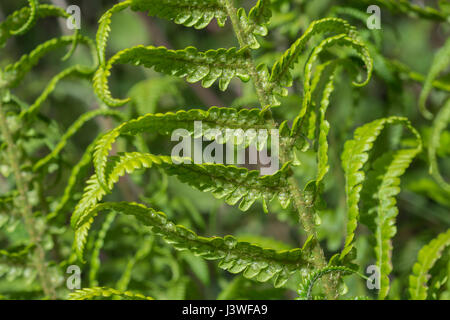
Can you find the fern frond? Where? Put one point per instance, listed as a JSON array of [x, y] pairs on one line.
[[83, 119], [93, 193], [20, 18], [190, 13], [104, 29], [255, 262], [141, 253], [213, 118], [381, 217], [355, 156], [321, 84], [98, 245], [281, 76], [260, 15], [440, 62], [14, 73], [360, 15], [73, 178], [34, 4], [341, 40], [324, 128], [426, 258], [310, 84], [406, 71], [235, 184], [208, 67], [103, 292], [77, 70], [229, 182], [440, 123], [256, 22], [307, 284]]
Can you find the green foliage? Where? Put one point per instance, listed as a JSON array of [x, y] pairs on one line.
[[98, 245], [13, 74], [441, 62], [382, 185], [308, 282], [208, 67], [426, 258], [406, 6], [440, 123], [67, 139], [256, 22], [215, 118], [355, 156], [228, 182], [71, 131], [104, 29], [281, 75], [235, 256], [32, 13], [196, 14], [23, 19], [102, 292]]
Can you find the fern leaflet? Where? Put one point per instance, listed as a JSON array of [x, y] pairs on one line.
[[427, 257]]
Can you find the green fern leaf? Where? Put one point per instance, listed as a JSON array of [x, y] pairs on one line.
[[221, 64], [98, 245], [406, 6], [307, 284], [255, 262], [74, 128], [20, 18], [229, 182], [341, 40], [104, 28], [235, 184], [427, 257], [256, 22], [34, 4], [306, 125], [214, 118], [197, 13], [73, 179], [14, 73], [281, 76], [381, 217], [324, 128], [440, 123], [260, 15], [103, 292], [440, 62], [355, 156], [78, 71]]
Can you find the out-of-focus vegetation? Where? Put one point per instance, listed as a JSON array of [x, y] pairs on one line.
[[120, 252]]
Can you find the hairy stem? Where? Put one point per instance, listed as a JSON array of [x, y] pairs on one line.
[[256, 76], [26, 209], [305, 211]]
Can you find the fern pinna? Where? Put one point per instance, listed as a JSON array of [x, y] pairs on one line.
[[326, 47]]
